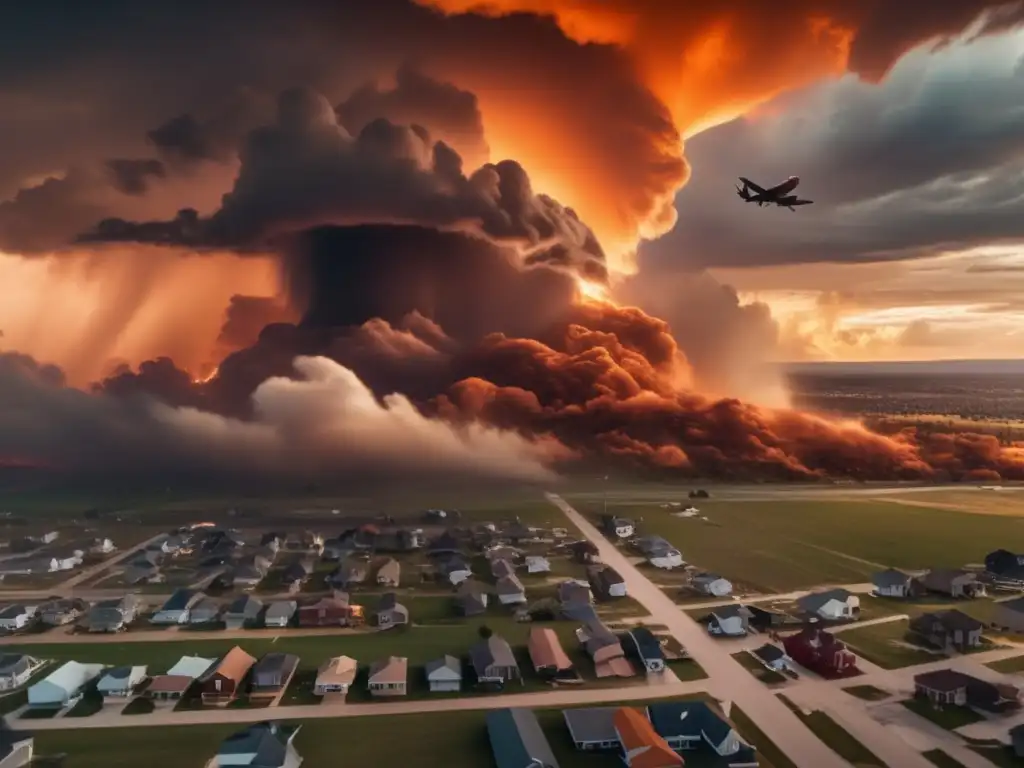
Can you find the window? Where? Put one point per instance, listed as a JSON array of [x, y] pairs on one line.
[[216, 685]]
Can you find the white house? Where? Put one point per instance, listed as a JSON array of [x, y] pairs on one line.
[[620, 527], [660, 553], [712, 584], [102, 546], [14, 617], [177, 608], [50, 537], [121, 682], [772, 657], [444, 675], [15, 670], [64, 686], [832, 604], [16, 747], [68, 562], [537, 564], [730, 620]]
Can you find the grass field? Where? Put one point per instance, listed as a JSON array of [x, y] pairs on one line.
[[835, 737], [450, 739], [949, 718], [885, 645], [867, 692], [788, 545], [1008, 666], [758, 670], [941, 759]]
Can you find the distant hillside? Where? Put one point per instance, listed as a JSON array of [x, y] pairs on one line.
[[910, 368]]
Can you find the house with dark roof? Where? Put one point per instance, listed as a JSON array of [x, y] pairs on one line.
[[772, 656], [471, 598], [112, 615], [659, 552], [574, 591], [894, 583], [1005, 566], [16, 747], [831, 604], [642, 646], [952, 582], [454, 569], [948, 630], [280, 613], [729, 620], [510, 590], [1017, 740], [711, 584], [325, 612], [605, 649], [592, 728], [494, 662], [444, 545], [243, 611], [618, 527], [298, 572], [261, 745], [444, 675], [205, 611], [693, 725], [271, 674], [517, 740], [177, 607], [391, 613], [55, 613], [948, 687], [1009, 615], [605, 582], [821, 652]]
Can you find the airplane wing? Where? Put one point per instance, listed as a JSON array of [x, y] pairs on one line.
[[759, 190], [802, 202]]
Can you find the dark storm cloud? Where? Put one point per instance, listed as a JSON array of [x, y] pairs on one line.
[[919, 164], [306, 170], [132, 176]]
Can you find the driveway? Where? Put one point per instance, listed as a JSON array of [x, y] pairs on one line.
[[729, 679]]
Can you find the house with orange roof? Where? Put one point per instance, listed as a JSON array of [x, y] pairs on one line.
[[642, 747], [222, 683]]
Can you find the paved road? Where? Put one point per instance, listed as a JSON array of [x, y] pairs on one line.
[[728, 678], [87, 573], [861, 588], [555, 698]]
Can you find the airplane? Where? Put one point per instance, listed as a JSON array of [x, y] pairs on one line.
[[777, 195]]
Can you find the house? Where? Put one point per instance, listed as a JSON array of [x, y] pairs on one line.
[[605, 582], [517, 740], [1005, 566], [821, 652], [605, 649], [500, 568], [390, 612], [578, 611], [298, 572], [64, 686], [831, 604], [454, 569], [711, 584], [244, 611], [641, 745], [271, 674], [353, 573], [1009, 615], [641, 645], [247, 575], [177, 608], [772, 657], [537, 564], [659, 552], [262, 745], [550, 660], [444, 545], [592, 728], [121, 682], [471, 598], [494, 662], [113, 615], [574, 591], [948, 687], [15, 670], [15, 617], [949, 630], [584, 551], [388, 677], [510, 590], [389, 573], [444, 675], [693, 725], [280, 614], [336, 676], [894, 583], [141, 572], [16, 747], [335, 550], [953, 583], [205, 611], [729, 620], [618, 527], [56, 613], [102, 546], [179, 678], [223, 682], [325, 612]]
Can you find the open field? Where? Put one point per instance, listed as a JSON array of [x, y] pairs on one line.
[[758, 670], [885, 645], [781, 545], [941, 759], [452, 738], [1014, 664], [837, 739], [867, 692], [949, 718]]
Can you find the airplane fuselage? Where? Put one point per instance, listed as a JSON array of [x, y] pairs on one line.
[[779, 195]]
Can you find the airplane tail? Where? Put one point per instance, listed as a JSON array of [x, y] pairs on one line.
[[743, 192]]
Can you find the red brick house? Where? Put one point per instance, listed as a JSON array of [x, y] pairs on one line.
[[821, 652], [221, 684], [328, 612]]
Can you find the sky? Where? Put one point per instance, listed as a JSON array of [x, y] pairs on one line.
[[911, 145]]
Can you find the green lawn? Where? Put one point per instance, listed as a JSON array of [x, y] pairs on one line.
[[1008, 666], [867, 692], [950, 718], [452, 739], [999, 755], [789, 545], [835, 738], [758, 670], [941, 759], [769, 755], [884, 644]]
